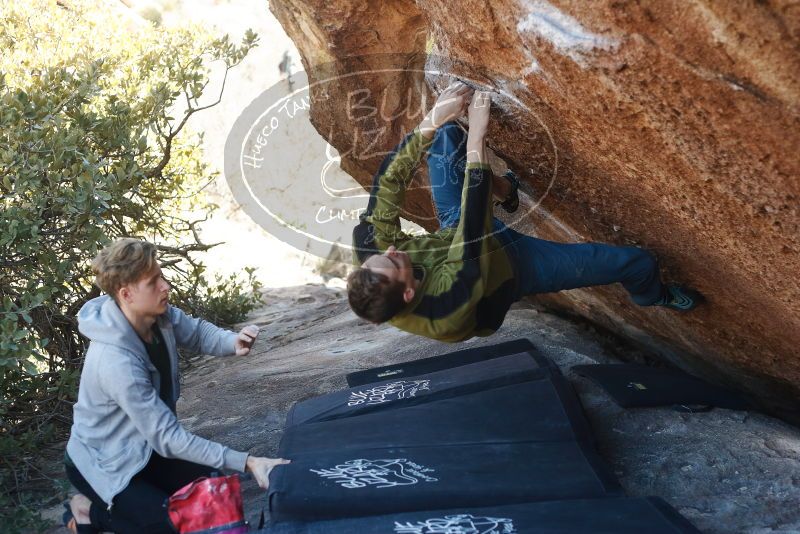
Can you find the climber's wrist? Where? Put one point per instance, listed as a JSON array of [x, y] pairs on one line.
[[476, 149], [427, 127]]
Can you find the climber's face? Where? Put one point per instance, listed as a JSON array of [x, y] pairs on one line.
[[396, 266]]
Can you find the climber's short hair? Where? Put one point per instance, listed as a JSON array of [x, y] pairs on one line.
[[373, 296]]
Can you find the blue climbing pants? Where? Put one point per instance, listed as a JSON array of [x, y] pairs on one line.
[[541, 266]]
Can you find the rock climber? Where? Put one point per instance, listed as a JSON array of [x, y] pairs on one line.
[[460, 281]]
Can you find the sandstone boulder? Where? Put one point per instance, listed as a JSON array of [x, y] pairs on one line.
[[671, 125]]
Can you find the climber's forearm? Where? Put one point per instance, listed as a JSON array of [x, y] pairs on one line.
[[427, 127], [476, 147]]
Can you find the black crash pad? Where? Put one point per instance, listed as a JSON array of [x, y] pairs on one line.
[[400, 392], [634, 385], [337, 484], [649, 515], [545, 409], [446, 361]]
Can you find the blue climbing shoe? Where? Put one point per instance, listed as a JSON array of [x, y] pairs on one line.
[[680, 298]]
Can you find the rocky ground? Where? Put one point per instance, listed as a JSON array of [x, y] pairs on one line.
[[726, 471]]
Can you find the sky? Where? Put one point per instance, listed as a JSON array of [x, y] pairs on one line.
[[246, 243]]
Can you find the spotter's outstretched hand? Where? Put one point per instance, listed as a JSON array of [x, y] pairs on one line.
[[247, 336]]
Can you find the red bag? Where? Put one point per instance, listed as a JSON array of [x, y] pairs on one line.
[[208, 505]]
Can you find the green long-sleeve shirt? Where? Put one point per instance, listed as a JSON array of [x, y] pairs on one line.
[[467, 280]]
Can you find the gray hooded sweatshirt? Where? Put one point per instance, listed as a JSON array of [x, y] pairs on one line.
[[119, 419]]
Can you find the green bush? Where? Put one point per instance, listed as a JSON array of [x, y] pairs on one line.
[[224, 301], [93, 105]]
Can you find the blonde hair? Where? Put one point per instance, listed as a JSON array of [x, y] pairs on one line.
[[124, 261]]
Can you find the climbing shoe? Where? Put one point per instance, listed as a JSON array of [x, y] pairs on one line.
[[511, 203], [680, 298]]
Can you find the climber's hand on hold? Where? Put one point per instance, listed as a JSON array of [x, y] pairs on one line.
[[450, 105]]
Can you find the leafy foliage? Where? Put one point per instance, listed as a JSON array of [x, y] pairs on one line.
[[93, 104]]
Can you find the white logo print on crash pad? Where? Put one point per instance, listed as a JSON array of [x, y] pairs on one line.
[[388, 473], [402, 389], [457, 524]]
